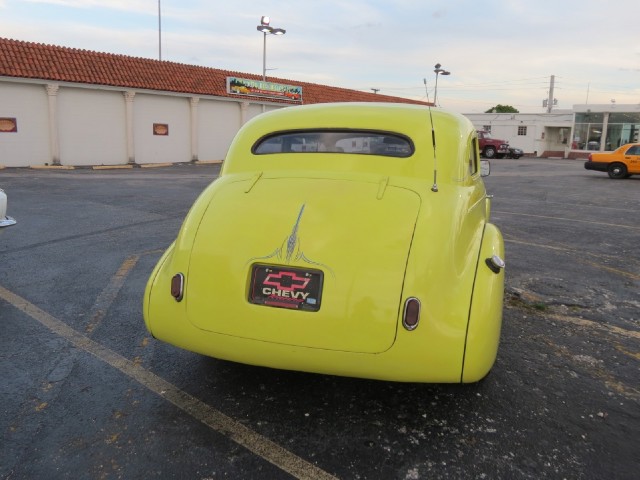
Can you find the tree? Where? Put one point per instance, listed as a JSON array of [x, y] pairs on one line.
[[502, 109]]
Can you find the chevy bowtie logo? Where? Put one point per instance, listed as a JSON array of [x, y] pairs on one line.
[[286, 281]]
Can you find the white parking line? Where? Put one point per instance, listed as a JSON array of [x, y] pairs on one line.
[[565, 219], [109, 294]]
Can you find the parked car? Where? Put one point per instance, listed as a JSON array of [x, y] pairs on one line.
[[621, 163], [5, 220], [515, 153], [340, 239]]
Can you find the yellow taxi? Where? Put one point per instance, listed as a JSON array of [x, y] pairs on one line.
[[621, 163]]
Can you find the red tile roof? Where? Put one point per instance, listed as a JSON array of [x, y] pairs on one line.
[[48, 62]]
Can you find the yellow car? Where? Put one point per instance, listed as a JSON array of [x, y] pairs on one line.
[[344, 239], [621, 163]]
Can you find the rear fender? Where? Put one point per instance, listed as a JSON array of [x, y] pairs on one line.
[[152, 284], [485, 315]]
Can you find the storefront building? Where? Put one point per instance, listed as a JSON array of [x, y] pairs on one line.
[[537, 134], [603, 128], [65, 107], [565, 133]]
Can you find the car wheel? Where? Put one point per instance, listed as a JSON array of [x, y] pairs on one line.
[[617, 170], [515, 157], [489, 152]]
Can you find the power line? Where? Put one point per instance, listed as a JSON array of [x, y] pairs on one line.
[[497, 86]]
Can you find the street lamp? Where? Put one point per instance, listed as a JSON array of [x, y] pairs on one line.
[[265, 28], [438, 71]]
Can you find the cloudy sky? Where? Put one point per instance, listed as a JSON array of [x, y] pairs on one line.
[[498, 51]]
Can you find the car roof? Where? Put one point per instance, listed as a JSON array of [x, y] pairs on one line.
[[626, 146]]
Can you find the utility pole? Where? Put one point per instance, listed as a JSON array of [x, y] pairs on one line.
[[551, 97]]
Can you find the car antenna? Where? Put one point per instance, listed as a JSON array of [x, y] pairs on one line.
[[434, 187]]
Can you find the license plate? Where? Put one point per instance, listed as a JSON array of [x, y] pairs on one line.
[[286, 287]]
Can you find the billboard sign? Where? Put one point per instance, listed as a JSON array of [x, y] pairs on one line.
[[258, 88]]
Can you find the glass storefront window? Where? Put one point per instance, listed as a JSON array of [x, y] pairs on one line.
[[587, 133], [607, 130], [622, 128], [589, 117]]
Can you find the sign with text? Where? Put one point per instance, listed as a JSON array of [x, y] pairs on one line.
[[258, 88]]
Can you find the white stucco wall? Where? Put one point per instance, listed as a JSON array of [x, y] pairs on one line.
[[218, 122], [164, 109], [88, 125], [542, 129], [30, 144], [254, 111], [91, 127]]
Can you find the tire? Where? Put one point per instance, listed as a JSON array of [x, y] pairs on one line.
[[617, 171], [489, 152]]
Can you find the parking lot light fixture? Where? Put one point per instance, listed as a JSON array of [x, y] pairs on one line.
[[438, 71], [266, 28]]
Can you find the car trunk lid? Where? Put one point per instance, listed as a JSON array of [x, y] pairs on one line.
[[307, 262]]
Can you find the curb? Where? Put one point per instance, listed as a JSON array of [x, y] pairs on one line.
[[156, 165], [111, 167], [52, 167], [127, 166], [208, 162]]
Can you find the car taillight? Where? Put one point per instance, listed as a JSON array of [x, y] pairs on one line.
[[177, 286], [589, 158], [411, 314]]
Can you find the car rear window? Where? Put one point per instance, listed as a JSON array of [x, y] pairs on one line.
[[364, 142]]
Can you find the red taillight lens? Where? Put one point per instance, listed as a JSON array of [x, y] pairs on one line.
[[589, 158], [177, 286], [411, 315]]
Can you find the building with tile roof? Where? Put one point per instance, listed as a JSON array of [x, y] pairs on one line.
[[67, 106]]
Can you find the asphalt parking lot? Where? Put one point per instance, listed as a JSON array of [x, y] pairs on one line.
[[86, 393]]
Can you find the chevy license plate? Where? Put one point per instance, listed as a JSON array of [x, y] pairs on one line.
[[286, 287]]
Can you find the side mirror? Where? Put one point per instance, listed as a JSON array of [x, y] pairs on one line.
[[485, 168]]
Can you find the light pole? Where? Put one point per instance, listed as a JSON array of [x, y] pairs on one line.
[[159, 32], [438, 71], [265, 28]]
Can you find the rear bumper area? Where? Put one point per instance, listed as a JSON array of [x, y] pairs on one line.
[[597, 166], [406, 361]]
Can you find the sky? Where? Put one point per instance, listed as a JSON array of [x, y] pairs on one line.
[[498, 51]]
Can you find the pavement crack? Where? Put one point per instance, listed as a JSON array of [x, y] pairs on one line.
[[85, 235]]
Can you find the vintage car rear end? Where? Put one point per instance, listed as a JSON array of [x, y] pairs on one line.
[[334, 242]]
